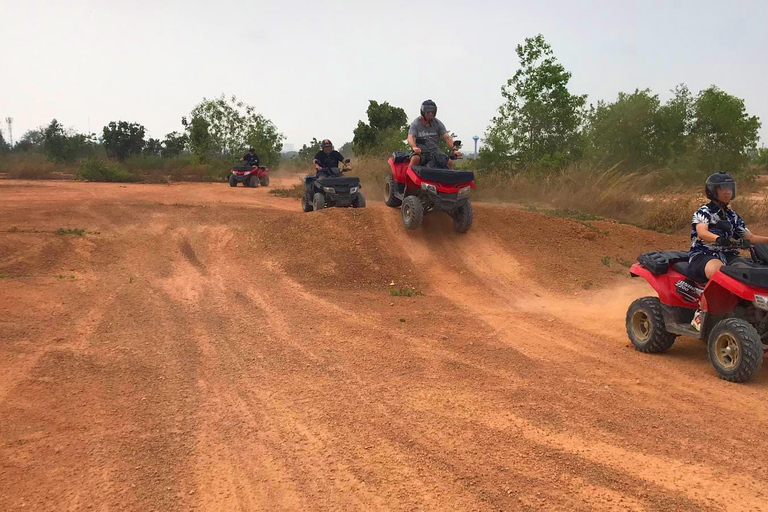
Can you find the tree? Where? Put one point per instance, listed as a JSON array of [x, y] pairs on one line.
[[625, 131], [122, 139], [234, 125], [539, 119], [4, 147], [308, 152], [153, 147], [722, 130], [200, 140], [384, 132], [173, 144], [62, 145], [32, 140]]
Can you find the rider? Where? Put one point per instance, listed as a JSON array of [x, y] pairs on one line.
[[251, 158], [431, 129], [327, 160], [711, 246]]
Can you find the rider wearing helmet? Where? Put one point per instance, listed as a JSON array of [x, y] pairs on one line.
[[712, 246], [251, 158], [431, 129], [327, 160]]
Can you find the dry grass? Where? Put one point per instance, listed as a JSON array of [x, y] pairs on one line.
[[34, 167]]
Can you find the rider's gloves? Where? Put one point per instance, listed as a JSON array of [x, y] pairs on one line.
[[723, 241]]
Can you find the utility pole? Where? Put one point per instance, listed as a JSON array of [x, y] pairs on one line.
[[9, 120]]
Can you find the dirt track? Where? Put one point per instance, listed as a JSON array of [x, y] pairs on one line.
[[217, 349]]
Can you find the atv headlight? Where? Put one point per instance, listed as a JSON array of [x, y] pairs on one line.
[[429, 188], [329, 190], [464, 191], [761, 302], [353, 190]]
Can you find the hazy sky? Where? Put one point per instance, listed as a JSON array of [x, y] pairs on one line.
[[312, 66]]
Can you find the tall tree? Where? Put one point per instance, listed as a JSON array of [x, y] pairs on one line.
[[123, 139], [384, 132], [539, 119]]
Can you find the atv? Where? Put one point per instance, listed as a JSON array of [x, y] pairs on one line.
[[249, 176], [735, 305], [420, 189], [329, 188]]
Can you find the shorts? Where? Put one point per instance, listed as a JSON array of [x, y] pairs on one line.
[[698, 262], [424, 157]]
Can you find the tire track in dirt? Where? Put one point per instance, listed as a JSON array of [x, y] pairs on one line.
[[211, 359]]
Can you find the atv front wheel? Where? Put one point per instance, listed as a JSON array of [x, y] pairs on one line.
[[359, 201], [232, 181], [412, 212], [735, 350], [306, 204], [253, 182], [390, 185], [646, 328], [463, 217], [318, 201], [265, 181]]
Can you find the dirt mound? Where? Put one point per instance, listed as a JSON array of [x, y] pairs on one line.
[[219, 349]]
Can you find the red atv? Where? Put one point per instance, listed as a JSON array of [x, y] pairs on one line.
[[734, 301], [249, 176], [421, 189]]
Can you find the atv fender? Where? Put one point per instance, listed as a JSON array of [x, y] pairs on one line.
[[664, 284], [723, 292]]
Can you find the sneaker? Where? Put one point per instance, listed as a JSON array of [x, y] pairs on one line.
[[696, 322]]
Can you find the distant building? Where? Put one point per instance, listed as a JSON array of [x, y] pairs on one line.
[[288, 148]]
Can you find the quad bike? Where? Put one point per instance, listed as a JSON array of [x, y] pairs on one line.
[[249, 176], [334, 190], [420, 189], [735, 305]]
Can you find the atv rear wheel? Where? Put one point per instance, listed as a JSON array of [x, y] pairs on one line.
[[412, 212], [646, 328], [318, 201], [735, 350], [390, 185], [306, 203], [463, 217], [359, 201], [232, 181], [265, 181]]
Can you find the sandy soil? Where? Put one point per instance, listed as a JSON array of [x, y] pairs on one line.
[[209, 348]]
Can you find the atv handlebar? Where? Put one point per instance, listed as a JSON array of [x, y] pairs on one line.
[[741, 243]]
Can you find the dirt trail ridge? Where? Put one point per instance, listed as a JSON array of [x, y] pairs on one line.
[[209, 348]]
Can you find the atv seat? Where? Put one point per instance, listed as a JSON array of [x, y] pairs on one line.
[[400, 157], [443, 175], [684, 269]]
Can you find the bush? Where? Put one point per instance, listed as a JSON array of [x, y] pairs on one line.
[[101, 170]]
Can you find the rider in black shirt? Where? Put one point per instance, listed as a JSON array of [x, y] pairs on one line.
[[251, 158], [327, 160]]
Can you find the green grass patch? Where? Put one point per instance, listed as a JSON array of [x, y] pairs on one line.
[[606, 260], [72, 231], [405, 292], [624, 263]]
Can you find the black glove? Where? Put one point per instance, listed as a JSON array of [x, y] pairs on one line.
[[743, 243], [723, 241]]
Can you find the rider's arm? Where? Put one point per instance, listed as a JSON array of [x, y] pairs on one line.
[[412, 141], [703, 232], [756, 239], [447, 138]]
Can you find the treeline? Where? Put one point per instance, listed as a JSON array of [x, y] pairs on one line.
[[216, 134]]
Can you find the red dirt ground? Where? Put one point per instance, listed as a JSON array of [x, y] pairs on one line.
[[209, 348]]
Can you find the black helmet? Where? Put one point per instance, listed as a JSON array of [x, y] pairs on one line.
[[326, 144], [719, 180], [251, 150], [428, 105]]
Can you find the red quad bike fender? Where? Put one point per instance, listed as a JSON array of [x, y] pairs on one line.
[[664, 285], [721, 294], [403, 173]]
